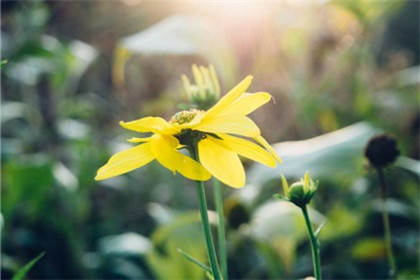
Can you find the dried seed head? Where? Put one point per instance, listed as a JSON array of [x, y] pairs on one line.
[[382, 150]]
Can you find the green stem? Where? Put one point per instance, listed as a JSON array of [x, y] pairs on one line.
[[221, 228], [206, 228], [314, 245], [387, 228], [201, 195]]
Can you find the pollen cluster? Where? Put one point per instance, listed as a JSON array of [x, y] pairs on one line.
[[184, 116]]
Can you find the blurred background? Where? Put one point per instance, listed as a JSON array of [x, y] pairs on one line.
[[339, 71]]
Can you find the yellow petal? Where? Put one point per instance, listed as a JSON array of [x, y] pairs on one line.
[[199, 79], [265, 144], [126, 161], [150, 124], [164, 149], [229, 98], [233, 124], [248, 149], [285, 185], [248, 103], [139, 140], [306, 182], [214, 81], [222, 163]]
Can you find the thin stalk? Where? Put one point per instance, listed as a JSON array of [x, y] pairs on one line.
[[206, 229], [387, 228], [221, 228], [201, 196], [314, 245]]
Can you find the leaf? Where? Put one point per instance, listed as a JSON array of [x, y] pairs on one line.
[[368, 12], [336, 228], [279, 196], [395, 207], [27, 181], [281, 219], [281, 226], [183, 231], [173, 35], [64, 176], [176, 35], [409, 76], [318, 230], [369, 249], [127, 244], [341, 151], [13, 109], [22, 272], [194, 260], [409, 164]]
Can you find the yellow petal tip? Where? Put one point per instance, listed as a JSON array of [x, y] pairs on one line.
[[239, 186]]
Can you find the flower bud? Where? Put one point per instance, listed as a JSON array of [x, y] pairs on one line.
[[301, 192], [206, 90]]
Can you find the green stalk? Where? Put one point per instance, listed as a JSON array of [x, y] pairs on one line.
[[201, 195], [221, 228], [387, 228], [314, 245]]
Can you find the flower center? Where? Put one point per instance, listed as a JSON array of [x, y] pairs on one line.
[[184, 116]]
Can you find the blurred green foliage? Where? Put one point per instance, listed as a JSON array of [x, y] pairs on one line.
[[344, 70]]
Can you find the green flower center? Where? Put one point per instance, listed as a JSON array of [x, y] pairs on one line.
[[184, 116]]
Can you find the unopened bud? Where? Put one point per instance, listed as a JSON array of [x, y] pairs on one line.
[[301, 192], [205, 91]]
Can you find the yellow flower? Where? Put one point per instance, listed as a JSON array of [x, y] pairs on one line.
[[213, 130]]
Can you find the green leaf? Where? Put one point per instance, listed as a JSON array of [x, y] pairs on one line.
[[281, 226], [279, 196], [409, 76], [341, 151], [369, 249], [126, 244], [409, 164], [177, 35], [27, 181], [318, 230], [22, 272], [336, 228], [194, 260], [182, 231], [368, 12]]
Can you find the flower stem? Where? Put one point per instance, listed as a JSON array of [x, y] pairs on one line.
[[387, 228], [201, 195], [314, 245], [221, 228]]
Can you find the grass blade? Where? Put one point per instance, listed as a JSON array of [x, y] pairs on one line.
[[20, 275]]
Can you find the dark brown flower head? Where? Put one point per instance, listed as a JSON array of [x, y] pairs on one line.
[[382, 150]]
